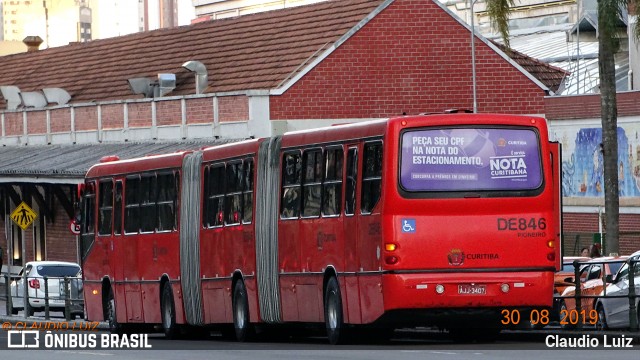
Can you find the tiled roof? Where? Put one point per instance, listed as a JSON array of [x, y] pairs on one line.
[[73, 161], [549, 75], [257, 51]]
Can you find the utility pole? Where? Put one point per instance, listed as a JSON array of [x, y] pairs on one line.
[[473, 57], [46, 22]]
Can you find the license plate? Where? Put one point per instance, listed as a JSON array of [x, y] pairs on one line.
[[469, 289]]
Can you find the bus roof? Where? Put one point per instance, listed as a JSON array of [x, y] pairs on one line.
[[147, 163], [225, 151]]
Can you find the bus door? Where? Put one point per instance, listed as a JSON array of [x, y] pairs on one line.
[[350, 223], [289, 233], [115, 248], [370, 231], [556, 165], [127, 246]]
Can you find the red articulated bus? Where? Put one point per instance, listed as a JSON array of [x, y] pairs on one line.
[[450, 220]]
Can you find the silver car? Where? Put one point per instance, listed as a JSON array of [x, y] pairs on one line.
[[613, 313], [55, 271]]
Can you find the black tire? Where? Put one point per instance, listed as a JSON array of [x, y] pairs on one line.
[[110, 313], [30, 311], [333, 317], [168, 315], [565, 322], [241, 321], [601, 323], [14, 311]]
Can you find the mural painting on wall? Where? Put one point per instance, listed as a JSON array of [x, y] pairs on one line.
[[582, 161]]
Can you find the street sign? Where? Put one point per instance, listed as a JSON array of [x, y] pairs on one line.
[[23, 216], [74, 227]]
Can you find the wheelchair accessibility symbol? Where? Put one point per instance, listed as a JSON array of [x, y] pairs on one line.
[[408, 225]]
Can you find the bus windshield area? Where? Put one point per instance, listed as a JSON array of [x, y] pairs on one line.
[[470, 159]]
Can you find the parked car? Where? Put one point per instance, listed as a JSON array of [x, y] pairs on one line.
[[561, 280], [613, 313], [564, 277], [591, 283], [55, 271]]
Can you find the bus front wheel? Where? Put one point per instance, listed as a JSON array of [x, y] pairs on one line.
[[241, 321], [168, 313], [333, 319]]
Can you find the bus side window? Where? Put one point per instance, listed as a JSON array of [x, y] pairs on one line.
[[312, 183], [176, 199], [371, 176], [117, 215], [132, 205], [215, 197], [352, 181], [166, 202], [233, 198], [88, 218], [149, 193], [332, 185], [247, 192], [105, 207], [291, 176], [205, 198]]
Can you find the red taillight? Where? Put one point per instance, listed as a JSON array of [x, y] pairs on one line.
[[391, 260], [34, 283]]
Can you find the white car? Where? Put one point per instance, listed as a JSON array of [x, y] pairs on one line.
[[613, 313], [55, 271]]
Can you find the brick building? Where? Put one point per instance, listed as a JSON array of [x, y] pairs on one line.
[[260, 75]]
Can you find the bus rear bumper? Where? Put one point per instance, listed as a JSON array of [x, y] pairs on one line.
[[467, 290]]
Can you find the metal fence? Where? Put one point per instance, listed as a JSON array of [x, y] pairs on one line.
[[66, 295], [606, 279]]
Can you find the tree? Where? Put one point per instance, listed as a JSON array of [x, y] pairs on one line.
[[609, 13]]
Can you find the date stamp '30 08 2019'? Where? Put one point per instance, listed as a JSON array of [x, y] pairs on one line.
[[541, 317]]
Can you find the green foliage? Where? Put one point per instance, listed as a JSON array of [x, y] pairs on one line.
[[499, 11]]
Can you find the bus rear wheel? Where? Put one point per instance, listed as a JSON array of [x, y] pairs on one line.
[[333, 318], [169, 325], [241, 321], [110, 313]]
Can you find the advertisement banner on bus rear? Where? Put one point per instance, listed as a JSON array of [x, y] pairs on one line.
[[470, 159]]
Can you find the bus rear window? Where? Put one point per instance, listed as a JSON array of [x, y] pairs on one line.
[[470, 159]]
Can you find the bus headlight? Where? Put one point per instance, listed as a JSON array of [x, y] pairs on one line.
[[440, 288], [505, 288]]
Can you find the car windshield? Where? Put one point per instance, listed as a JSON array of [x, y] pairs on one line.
[[567, 267], [614, 267], [58, 270]]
